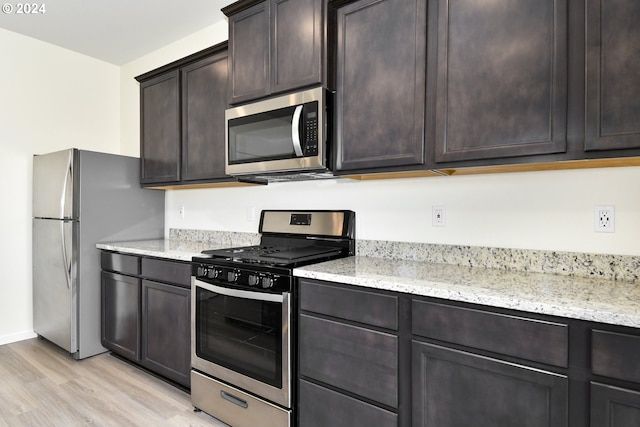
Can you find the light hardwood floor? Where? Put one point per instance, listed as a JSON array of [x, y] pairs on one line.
[[42, 386]]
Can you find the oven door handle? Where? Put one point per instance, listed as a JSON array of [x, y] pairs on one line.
[[238, 293]]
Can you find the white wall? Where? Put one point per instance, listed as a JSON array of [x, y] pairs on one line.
[[532, 210], [50, 99]]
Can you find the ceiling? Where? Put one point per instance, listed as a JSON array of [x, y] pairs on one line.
[[115, 31]]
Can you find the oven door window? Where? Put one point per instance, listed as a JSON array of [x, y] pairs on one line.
[[240, 334]]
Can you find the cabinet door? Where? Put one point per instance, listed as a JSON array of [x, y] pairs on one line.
[[380, 82], [121, 314], [166, 330], [613, 75], [614, 407], [321, 407], [501, 78], [297, 40], [353, 358], [160, 129], [204, 101], [453, 388], [249, 53]]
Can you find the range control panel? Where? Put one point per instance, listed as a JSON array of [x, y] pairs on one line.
[[242, 277]]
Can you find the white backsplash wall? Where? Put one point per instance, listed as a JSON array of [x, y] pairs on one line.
[[528, 210]]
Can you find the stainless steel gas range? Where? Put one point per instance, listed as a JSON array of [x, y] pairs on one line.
[[243, 305]]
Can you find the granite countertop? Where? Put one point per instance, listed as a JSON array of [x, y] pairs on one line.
[[585, 298], [181, 250]]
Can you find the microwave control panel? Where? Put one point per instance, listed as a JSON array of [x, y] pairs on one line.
[[311, 129]]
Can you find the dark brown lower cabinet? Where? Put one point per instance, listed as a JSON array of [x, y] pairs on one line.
[[121, 314], [322, 407], [614, 407], [166, 330], [148, 321], [453, 388]]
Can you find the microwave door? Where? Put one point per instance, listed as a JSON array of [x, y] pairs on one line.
[[295, 131]]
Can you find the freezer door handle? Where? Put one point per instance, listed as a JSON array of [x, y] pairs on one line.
[[68, 177], [65, 257]]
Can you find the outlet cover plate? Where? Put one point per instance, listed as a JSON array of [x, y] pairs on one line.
[[438, 216], [604, 219]]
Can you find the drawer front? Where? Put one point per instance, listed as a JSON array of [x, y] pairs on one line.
[[528, 339], [352, 358], [167, 271], [356, 305], [320, 407], [127, 264], [615, 355]]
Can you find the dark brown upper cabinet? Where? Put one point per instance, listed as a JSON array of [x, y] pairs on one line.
[[182, 107], [501, 78], [612, 75], [160, 128], [275, 46], [380, 85]]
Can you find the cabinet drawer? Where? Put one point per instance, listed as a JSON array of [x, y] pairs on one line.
[[355, 359], [127, 264], [167, 271], [529, 339], [320, 407], [615, 355], [350, 304]]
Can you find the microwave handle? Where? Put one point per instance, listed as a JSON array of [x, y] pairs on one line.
[[295, 131]]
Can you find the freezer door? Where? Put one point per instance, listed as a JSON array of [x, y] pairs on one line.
[[53, 185], [54, 289]]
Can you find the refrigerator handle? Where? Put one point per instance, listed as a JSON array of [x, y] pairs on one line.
[[65, 258], [68, 175]]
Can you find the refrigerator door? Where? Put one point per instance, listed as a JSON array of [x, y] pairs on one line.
[[54, 289], [53, 185]]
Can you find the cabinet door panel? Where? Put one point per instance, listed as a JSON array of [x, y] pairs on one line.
[[521, 337], [613, 76], [167, 271], [615, 355], [453, 388], [121, 314], [204, 101], [380, 100], [378, 310], [355, 359], [501, 78], [160, 129], [320, 407], [249, 52], [614, 407], [297, 34], [166, 330]]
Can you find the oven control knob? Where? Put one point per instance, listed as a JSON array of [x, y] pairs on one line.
[[232, 276], [213, 273], [267, 282], [254, 279], [201, 271]]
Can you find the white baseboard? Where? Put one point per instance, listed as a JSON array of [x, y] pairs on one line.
[[18, 336]]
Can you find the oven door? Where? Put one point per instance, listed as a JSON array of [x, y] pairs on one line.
[[243, 338]]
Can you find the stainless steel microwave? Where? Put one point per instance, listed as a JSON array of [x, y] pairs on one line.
[[283, 135]]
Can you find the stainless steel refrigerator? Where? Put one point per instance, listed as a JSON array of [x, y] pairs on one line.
[[81, 198]]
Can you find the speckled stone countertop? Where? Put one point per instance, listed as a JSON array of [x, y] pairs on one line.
[[586, 298], [170, 249], [599, 288]]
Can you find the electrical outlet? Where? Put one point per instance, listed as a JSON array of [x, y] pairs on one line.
[[604, 219], [181, 212], [438, 216]]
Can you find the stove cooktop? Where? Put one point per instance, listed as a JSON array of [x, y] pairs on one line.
[[274, 255]]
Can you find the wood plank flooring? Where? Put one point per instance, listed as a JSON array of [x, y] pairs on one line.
[[41, 385]]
